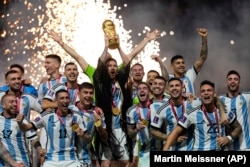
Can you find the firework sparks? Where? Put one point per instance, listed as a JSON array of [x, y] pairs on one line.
[[80, 23]]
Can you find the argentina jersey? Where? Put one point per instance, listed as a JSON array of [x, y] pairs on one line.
[[117, 102], [73, 93], [169, 115], [45, 86], [14, 141], [83, 148], [60, 145], [207, 128], [188, 80], [136, 114], [240, 106]]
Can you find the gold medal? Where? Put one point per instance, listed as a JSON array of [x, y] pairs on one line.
[[115, 111], [145, 122], [75, 127], [98, 123]]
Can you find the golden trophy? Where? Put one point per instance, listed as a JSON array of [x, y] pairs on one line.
[[108, 28]]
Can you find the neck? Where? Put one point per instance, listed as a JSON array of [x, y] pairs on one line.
[[62, 114], [72, 84], [8, 115], [14, 92], [135, 83], [176, 75], [233, 94], [209, 107], [84, 106], [177, 101], [143, 104], [54, 75], [158, 97]]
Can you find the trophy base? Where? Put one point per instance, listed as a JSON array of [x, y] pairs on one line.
[[113, 45]]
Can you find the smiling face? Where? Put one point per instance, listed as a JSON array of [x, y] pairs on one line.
[[178, 66], [207, 93], [151, 76], [86, 96], [143, 92], [51, 66], [233, 83], [71, 72], [14, 81], [10, 104], [158, 87], [62, 99], [137, 72], [175, 89]]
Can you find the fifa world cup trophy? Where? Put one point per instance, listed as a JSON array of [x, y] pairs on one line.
[[108, 27]]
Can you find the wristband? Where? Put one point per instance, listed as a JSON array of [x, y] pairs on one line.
[[230, 138]]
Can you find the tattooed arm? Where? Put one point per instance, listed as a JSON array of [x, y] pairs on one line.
[[204, 50], [5, 155]]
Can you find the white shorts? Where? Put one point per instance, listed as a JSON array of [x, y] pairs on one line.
[[120, 142], [136, 147], [72, 163], [144, 160]]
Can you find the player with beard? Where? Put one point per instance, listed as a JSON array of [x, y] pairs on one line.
[[153, 73], [71, 73], [11, 135], [188, 76], [138, 123], [63, 127], [209, 134], [169, 113], [239, 103]]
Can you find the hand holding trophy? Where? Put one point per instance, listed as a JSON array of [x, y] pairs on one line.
[[109, 29]]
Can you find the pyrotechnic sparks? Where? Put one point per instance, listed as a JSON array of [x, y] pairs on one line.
[[80, 23]]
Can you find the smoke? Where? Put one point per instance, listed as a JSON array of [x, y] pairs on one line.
[[228, 37]]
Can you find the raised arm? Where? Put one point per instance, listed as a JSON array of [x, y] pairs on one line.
[[164, 71], [79, 59], [204, 50]]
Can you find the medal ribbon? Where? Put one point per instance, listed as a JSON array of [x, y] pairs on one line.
[[139, 113], [76, 90], [209, 120], [49, 85], [174, 111], [113, 94]]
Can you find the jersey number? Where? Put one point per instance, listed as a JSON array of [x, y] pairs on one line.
[[6, 134], [63, 133], [212, 129]]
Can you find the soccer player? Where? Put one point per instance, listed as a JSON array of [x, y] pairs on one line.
[[62, 126], [26, 83], [90, 114], [87, 68], [209, 134], [11, 135], [169, 114], [52, 66], [71, 73], [188, 76], [239, 103], [138, 123]]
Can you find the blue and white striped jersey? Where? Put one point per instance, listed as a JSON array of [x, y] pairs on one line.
[[14, 140], [188, 80], [207, 127], [240, 106], [170, 114], [61, 137]]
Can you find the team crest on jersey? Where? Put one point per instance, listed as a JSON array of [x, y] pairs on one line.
[[156, 119], [128, 119], [37, 119], [230, 116], [240, 103], [51, 93], [183, 119]]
